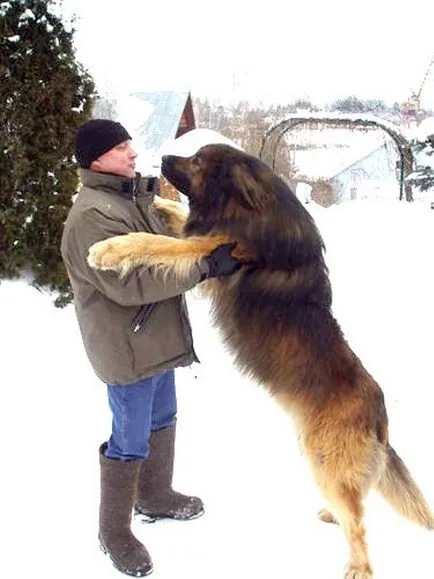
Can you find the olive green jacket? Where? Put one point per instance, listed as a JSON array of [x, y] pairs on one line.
[[109, 308]]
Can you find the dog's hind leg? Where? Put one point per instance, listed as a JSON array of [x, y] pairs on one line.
[[345, 464], [347, 505]]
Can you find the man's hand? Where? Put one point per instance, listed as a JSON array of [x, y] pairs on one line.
[[220, 262]]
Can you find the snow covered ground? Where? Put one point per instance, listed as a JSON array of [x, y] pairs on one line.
[[235, 448]]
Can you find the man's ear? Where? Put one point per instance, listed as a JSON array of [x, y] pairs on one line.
[[250, 188], [95, 165]]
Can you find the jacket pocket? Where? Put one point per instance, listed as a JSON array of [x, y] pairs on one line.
[[142, 317]]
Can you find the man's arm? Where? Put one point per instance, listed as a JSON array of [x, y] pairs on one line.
[[138, 286]]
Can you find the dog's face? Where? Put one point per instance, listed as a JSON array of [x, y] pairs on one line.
[[217, 175], [235, 194]]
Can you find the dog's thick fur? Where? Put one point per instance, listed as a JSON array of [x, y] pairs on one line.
[[275, 314]]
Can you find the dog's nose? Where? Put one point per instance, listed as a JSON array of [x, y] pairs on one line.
[[165, 162]]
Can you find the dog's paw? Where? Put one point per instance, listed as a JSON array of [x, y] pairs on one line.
[[326, 516], [111, 254], [358, 571]]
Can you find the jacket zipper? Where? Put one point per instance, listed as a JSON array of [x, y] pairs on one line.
[[142, 317], [146, 310], [135, 189]]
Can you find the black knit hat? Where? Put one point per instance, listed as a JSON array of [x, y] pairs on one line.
[[96, 137]]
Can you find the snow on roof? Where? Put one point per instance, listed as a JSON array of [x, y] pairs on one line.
[[190, 142], [133, 112], [163, 122], [151, 118], [423, 131]]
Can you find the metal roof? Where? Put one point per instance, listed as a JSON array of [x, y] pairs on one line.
[[162, 124]]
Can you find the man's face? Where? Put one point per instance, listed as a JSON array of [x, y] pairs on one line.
[[119, 161]]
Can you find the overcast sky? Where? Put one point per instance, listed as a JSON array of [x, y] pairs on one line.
[[272, 50]]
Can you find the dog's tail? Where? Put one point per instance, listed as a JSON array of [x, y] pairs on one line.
[[398, 487]]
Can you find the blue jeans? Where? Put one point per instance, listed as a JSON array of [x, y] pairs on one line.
[[138, 409]]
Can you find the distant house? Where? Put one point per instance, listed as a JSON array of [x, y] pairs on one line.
[[153, 118], [371, 176], [341, 174]]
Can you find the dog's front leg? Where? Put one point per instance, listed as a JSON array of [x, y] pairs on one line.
[[173, 213], [124, 252]]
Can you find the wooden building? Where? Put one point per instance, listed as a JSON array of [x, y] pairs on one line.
[[172, 116]]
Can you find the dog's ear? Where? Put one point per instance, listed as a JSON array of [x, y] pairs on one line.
[[250, 188]]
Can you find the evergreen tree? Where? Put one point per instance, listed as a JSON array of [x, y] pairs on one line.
[[306, 105], [423, 176], [350, 104], [44, 95]]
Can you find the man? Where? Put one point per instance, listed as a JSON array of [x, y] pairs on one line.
[[135, 331]]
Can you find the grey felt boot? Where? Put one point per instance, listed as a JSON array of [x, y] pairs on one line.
[[118, 495], [155, 497]]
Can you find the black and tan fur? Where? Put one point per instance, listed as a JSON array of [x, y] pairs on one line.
[[275, 314]]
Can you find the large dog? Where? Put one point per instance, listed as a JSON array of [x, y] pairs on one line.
[[275, 314]]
